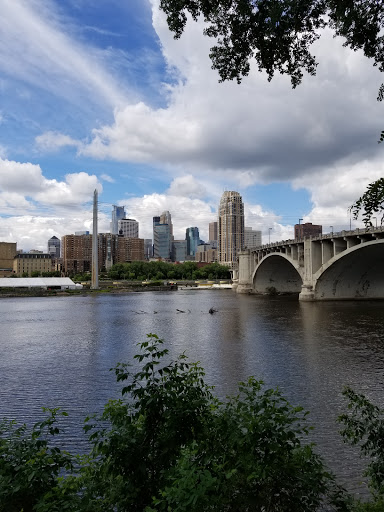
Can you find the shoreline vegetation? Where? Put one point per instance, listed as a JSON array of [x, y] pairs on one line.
[[110, 287], [134, 277], [168, 444]]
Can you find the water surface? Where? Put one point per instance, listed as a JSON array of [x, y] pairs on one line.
[[58, 351]]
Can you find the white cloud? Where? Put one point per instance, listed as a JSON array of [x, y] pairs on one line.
[[106, 177], [256, 132], [39, 48], [52, 141], [28, 182], [336, 189], [34, 231], [187, 186], [184, 201]]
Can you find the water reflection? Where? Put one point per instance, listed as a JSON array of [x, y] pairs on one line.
[[58, 352]]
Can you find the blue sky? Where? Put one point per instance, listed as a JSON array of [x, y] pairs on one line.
[[100, 95]]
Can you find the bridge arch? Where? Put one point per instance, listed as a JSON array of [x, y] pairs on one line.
[[277, 271], [357, 273]]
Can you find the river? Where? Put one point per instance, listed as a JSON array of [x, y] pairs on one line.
[[58, 351]]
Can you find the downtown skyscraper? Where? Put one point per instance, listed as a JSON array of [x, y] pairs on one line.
[[230, 228]]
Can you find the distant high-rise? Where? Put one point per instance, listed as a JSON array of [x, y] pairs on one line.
[[193, 239], [212, 231], [128, 227], [162, 236], [179, 250], [118, 213], [252, 238], [148, 248], [230, 228], [54, 247], [165, 218]]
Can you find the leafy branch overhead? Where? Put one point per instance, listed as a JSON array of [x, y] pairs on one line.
[[370, 203], [380, 97], [278, 34]]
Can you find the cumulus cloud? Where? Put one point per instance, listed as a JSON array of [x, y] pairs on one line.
[[34, 231], [188, 209], [258, 131], [34, 208], [333, 192], [187, 186], [26, 181]]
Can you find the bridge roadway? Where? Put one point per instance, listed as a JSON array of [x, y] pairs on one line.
[[343, 265]]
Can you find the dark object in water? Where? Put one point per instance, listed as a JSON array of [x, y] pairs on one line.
[[211, 311]]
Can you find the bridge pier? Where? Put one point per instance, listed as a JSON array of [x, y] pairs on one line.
[[245, 271], [307, 294]]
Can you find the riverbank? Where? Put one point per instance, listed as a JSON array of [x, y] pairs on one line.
[[87, 290], [115, 287]]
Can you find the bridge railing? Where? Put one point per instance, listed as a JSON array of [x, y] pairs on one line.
[[325, 236]]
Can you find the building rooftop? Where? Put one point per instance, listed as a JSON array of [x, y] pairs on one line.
[[40, 282]]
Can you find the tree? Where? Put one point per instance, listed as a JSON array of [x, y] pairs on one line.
[[29, 466], [278, 33], [370, 203], [170, 445], [364, 426]]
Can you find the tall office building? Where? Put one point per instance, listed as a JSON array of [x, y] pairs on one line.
[[118, 213], [179, 250], [193, 239], [54, 247], [165, 218], [212, 231], [162, 236], [128, 227], [230, 228], [148, 248], [252, 238]]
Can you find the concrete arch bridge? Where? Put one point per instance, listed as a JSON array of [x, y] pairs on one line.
[[345, 265]]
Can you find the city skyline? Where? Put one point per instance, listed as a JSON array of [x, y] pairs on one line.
[[102, 96]]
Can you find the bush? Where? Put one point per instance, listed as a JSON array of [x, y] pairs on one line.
[[170, 445], [29, 467], [364, 426]]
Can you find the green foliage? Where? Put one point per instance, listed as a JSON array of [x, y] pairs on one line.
[[370, 203], [166, 408], [364, 426], [82, 277], [278, 34], [55, 273], [169, 445], [29, 467], [160, 270], [252, 457]]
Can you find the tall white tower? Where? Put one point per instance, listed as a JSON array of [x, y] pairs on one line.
[[95, 246]]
